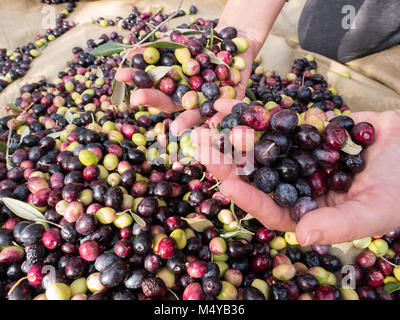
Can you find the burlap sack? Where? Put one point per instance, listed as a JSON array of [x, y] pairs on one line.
[[372, 86]]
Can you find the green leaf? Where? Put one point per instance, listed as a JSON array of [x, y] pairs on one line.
[[138, 219], [68, 116], [157, 73], [232, 207], [390, 287], [183, 31], [230, 234], [250, 94], [163, 45], [211, 38], [184, 78], [23, 209], [108, 49], [219, 127], [350, 147], [118, 94], [127, 96], [214, 58], [99, 73], [247, 217], [198, 224], [3, 147], [55, 135], [13, 107], [24, 134]]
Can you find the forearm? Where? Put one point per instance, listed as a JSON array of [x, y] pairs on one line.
[[252, 18]]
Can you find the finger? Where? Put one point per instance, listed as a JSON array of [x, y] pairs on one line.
[[224, 105], [186, 120], [153, 98], [258, 204], [134, 52], [362, 116], [354, 219], [215, 120], [220, 165], [125, 75]]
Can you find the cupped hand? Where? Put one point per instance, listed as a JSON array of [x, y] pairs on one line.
[[369, 207], [189, 118]]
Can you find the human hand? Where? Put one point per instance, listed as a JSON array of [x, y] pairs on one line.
[[368, 208], [155, 98]]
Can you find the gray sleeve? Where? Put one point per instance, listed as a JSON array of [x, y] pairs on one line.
[[326, 27]]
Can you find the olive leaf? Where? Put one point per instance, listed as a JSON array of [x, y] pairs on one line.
[[250, 94], [138, 219], [9, 143], [350, 147], [211, 37], [68, 116], [184, 78], [163, 45], [198, 224], [230, 234], [157, 73], [118, 94], [13, 107], [99, 73], [23, 209], [24, 134], [183, 31], [390, 287], [214, 58], [109, 49], [127, 96], [232, 207], [247, 217], [3, 147], [55, 135]]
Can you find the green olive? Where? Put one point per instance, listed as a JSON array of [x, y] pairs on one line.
[[228, 291], [151, 55], [88, 158], [241, 43], [124, 220], [106, 215], [110, 161], [223, 266], [86, 197], [103, 172], [113, 179], [167, 276], [180, 238], [349, 294], [78, 286], [284, 272], [58, 291], [139, 139], [380, 247], [320, 273], [278, 243], [262, 286]]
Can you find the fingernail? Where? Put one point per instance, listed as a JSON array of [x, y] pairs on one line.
[[313, 237]]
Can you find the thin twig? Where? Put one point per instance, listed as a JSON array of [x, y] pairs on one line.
[[268, 149]]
